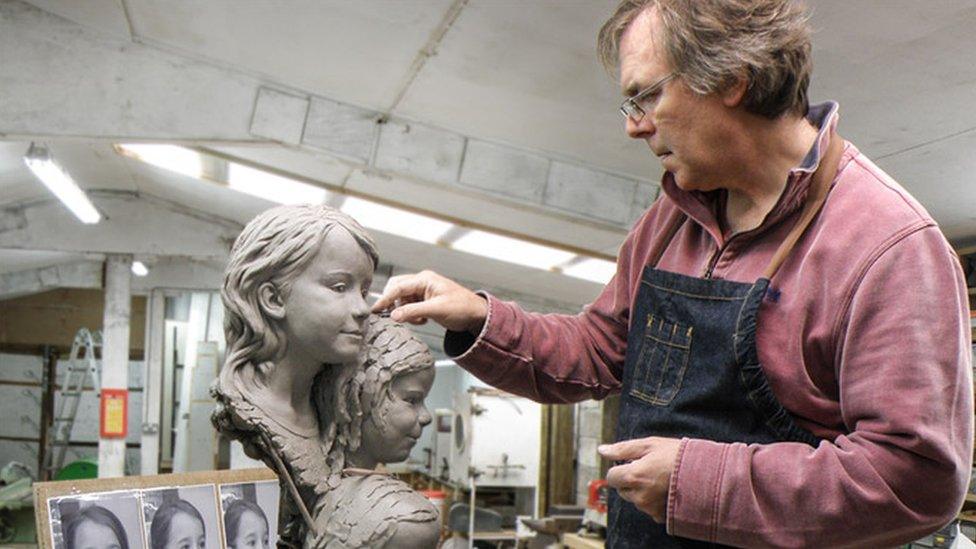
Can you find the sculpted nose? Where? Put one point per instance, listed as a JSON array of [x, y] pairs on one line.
[[360, 309]]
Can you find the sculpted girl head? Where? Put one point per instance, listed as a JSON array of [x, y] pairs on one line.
[[296, 283], [396, 378]]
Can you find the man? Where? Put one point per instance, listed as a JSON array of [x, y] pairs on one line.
[[787, 327]]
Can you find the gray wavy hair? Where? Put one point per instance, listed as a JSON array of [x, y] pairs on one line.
[[711, 43], [276, 246]]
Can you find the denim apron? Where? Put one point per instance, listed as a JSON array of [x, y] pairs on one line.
[[692, 368]]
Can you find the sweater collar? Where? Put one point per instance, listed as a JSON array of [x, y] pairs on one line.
[[703, 207]]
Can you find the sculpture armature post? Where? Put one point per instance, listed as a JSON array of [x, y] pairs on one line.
[[295, 315]]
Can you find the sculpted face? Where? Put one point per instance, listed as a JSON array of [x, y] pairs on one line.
[[91, 535], [688, 132], [252, 532], [185, 532], [325, 310], [395, 425]]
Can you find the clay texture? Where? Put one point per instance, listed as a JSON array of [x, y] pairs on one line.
[[294, 298], [313, 385], [368, 508]]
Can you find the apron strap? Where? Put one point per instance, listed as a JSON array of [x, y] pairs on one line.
[[819, 187]]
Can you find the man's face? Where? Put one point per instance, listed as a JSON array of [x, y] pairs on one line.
[[685, 130]]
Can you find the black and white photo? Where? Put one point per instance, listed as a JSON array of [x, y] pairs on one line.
[[96, 521], [182, 517], [250, 514]]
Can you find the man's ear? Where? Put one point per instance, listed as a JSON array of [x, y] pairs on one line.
[[269, 298], [733, 95]]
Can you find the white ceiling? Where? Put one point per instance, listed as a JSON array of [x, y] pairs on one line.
[[524, 73]]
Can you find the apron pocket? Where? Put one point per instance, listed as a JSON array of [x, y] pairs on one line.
[[661, 361]]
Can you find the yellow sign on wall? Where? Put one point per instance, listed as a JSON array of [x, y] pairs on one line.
[[114, 416]]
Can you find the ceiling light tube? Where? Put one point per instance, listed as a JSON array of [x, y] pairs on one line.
[[169, 157], [272, 187], [511, 250], [380, 217], [387, 219], [39, 160], [592, 269]]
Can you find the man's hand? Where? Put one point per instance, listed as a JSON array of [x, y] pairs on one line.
[[417, 297], [645, 479]]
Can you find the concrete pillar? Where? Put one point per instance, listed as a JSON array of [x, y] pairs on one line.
[[115, 353], [153, 388]]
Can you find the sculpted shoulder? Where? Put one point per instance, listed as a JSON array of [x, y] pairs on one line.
[[422, 535]]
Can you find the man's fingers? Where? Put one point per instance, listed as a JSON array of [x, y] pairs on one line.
[[408, 288], [627, 449], [416, 313], [619, 477]]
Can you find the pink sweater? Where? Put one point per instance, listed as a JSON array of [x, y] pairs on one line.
[[867, 344]]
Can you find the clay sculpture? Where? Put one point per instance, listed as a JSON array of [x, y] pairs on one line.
[[386, 397], [295, 316]]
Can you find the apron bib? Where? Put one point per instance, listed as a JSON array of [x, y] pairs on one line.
[[692, 368]]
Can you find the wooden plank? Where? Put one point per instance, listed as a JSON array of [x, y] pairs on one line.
[[43, 491], [54, 317], [562, 474], [545, 451], [611, 411], [577, 541]]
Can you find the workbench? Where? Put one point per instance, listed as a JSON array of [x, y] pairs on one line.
[[581, 541]]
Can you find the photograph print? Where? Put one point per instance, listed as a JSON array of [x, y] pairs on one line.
[[108, 520], [250, 514], [183, 517]]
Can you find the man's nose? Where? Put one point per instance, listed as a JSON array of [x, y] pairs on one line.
[[640, 130]]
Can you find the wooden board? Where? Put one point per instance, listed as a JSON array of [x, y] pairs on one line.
[[577, 541], [43, 491], [54, 317]]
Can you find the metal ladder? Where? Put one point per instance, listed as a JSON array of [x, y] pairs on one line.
[[86, 351]]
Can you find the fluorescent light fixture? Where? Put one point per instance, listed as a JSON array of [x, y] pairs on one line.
[[272, 187], [139, 268], [511, 250], [169, 157], [39, 160], [395, 221], [374, 215], [592, 269]]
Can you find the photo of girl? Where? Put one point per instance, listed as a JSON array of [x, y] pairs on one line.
[[181, 518], [96, 521], [250, 512]]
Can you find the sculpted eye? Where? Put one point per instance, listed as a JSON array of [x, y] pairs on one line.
[[339, 287]]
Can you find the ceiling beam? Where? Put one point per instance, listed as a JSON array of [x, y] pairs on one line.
[[133, 224], [84, 274], [66, 81]]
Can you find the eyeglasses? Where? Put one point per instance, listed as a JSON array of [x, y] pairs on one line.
[[637, 105]]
